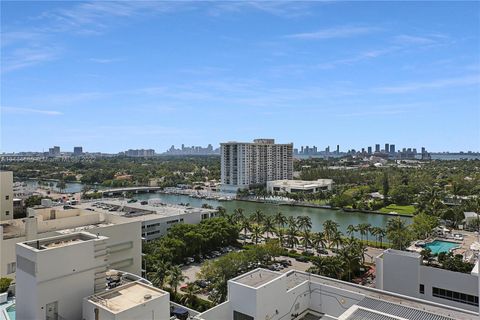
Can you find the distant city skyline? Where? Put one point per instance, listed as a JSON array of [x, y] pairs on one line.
[[213, 148], [113, 76]]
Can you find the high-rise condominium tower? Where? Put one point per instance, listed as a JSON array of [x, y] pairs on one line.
[[244, 164]]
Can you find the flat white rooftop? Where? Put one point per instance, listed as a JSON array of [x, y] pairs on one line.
[[138, 211], [126, 296], [257, 277], [60, 241], [301, 183]]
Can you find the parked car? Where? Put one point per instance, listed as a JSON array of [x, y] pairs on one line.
[[301, 258]]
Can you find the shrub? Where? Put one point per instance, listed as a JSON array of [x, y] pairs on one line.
[[4, 284]]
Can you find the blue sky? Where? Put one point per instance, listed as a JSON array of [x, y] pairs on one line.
[[110, 76]]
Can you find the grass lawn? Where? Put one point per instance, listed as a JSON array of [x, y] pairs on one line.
[[401, 210]]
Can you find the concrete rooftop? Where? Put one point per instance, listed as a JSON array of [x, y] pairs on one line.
[[126, 296]]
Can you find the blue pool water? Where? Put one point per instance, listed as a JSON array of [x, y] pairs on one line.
[[438, 246], [11, 312]]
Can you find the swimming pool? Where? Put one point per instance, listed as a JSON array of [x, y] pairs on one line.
[[438, 246], [11, 312]]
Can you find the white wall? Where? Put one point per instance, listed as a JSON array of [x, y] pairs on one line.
[[65, 274], [445, 279], [403, 274]]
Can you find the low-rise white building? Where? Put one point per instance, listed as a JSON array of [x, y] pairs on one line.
[[265, 294], [295, 186], [54, 274], [133, 300], [404, 273], [156, 217]]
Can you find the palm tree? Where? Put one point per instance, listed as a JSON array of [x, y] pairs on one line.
[[258, 216], [306, 239], [245, 226], [256, 233], [280, 219], [351, 229], [363, 228], [159, 273], [268, 225], [374, 232], [292, 239], [175, 277], [329, 228], [231, 218], [337, 239], [398, 233], [189, 298], [304, 222], [221, 211], [280, 232], [292, 222], [318, 240], [381, 233], [238, 214]]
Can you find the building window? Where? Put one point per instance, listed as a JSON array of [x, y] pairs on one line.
[[240, 316], [422, 289], [11, 267], [7, 197], [7, 212], [455, 296]]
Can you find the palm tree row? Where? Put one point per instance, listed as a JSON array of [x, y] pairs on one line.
[[293, 231]]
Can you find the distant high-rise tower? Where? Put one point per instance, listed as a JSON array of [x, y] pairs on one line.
[[377, 147], [338, 149], [77, 151], [244, 164], [392, 148], [387, 147], [369, 150]]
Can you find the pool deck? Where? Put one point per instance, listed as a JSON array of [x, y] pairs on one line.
[[463, 246], [3, 309]]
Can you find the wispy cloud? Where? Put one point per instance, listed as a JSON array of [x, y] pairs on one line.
[[104, 60], [468, 80], [26, 57], [333, 33], [30, 111]]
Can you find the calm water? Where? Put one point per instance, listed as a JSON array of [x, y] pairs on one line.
[[317, 215]]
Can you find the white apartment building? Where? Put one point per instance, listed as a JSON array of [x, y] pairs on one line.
[[124, 236], [6, 195], [404, 273], [296, 186], [55, 274], [264, 294], [244, 164]]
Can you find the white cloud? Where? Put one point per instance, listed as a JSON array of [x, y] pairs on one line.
[[26, 57], [30, 111], [333, 33], [432, 84]]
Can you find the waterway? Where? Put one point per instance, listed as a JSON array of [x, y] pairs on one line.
[[318, 215]]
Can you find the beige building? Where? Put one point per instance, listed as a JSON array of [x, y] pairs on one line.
[[6, 195], [245, 164], [124, 236]]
